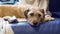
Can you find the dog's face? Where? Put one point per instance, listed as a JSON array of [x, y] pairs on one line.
[[34, 16]]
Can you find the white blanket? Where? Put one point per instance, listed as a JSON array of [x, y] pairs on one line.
[[5, 28]]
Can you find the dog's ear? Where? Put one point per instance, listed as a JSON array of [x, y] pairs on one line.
[[42, 10], [26, 12]]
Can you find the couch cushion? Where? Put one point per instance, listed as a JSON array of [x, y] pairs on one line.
[[51, 27]]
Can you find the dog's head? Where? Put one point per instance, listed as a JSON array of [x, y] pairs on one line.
[[34, 16]]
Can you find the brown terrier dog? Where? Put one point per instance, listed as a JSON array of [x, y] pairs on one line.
[[34, 15]]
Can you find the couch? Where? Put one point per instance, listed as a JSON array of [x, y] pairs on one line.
[[50, 27]]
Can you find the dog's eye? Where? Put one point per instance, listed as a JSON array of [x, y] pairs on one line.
[[31, 14], [39, 15]]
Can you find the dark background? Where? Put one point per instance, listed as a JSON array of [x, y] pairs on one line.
[[54, 7]]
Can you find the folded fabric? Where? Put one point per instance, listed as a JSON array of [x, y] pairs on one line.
[[5, 28]]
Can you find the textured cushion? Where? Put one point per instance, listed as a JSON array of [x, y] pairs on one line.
[[51, 27]]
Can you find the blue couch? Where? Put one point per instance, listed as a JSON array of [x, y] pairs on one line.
[[50, 27]]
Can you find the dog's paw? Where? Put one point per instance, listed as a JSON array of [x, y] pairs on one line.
[[10, 19], [48, 18]]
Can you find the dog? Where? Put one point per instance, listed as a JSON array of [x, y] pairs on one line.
[[21, 11], [34, 15]]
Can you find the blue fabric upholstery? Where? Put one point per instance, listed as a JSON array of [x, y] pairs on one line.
[[50, 27]]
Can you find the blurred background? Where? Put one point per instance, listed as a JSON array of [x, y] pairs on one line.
[[3, 2]]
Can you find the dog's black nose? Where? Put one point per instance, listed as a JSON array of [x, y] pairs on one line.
[[35, 23]]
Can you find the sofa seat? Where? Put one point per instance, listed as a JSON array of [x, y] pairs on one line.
[[50, 27]]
